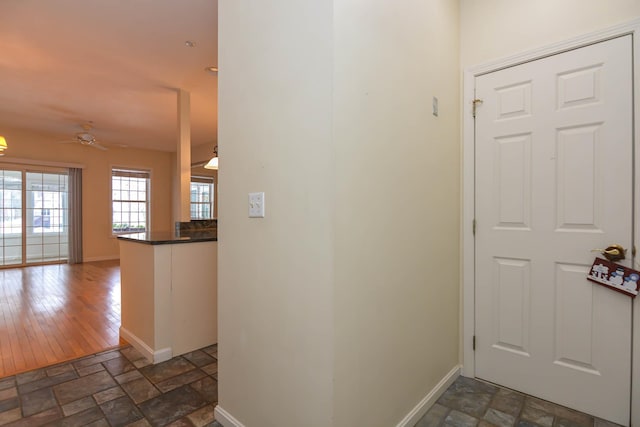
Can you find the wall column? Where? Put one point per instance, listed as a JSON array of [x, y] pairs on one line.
[[183, 159]]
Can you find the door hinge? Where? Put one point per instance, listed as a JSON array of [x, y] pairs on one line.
[[474, 343], [475, 103], [473, 225], [633, 250]]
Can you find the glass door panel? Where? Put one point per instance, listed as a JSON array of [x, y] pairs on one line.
[[11, 217], [47, 217]]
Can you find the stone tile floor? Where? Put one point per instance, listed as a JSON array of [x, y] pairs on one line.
[[115, 388], [121, 388], [469, 402]]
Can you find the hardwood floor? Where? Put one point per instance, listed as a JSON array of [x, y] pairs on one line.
[[53, 313]]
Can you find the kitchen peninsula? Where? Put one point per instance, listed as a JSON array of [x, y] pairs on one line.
[[169, 292]]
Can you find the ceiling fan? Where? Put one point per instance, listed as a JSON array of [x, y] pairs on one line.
[[86, 138]]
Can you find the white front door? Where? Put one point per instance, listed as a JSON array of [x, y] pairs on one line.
[[554, 181]]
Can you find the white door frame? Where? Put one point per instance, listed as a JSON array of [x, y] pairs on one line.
[[468, 188]]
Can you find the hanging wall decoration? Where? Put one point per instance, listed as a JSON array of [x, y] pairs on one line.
[[615, 276]]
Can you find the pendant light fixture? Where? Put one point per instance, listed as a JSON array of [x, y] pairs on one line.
[[213, 163], [3, 145]]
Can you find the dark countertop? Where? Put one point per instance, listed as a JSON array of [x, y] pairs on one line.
[[169, 237]]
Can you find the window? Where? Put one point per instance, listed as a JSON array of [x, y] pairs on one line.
[[129, 200], [202, 196]]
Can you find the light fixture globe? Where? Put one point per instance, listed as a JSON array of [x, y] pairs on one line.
[[212, 164]]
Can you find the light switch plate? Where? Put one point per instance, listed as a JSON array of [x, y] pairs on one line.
[[256, 205]]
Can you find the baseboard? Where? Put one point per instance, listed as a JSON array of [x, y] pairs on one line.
[[156, 356], [162, 355], [225, 418], [427, 402], [101, 258], [412, 418]]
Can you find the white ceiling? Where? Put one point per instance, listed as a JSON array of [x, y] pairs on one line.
[[117, 63]]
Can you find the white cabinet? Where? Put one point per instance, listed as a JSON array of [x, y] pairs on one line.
[[169, 297]]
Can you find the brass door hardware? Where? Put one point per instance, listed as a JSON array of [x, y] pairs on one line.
[[612, 252]]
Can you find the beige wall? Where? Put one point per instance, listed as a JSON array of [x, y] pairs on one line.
[[275, 274], [396, 207], [491, 29], [202, 153], [340, 308], [97, 240]]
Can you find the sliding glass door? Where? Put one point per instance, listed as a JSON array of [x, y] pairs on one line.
[[35, 217]]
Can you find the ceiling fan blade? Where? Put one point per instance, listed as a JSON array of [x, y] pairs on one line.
[[98, 146], [68, 141]]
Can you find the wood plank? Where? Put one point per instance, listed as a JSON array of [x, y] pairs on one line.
[[53, 313]]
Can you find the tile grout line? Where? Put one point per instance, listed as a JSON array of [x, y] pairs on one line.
[[183, 373]]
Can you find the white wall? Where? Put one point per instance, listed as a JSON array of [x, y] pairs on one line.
[[490, 29], [397, 204], [340, 308], [275, 274]]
